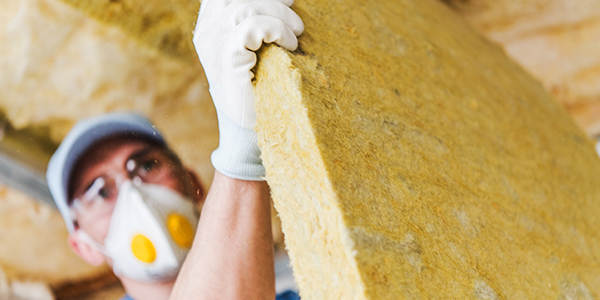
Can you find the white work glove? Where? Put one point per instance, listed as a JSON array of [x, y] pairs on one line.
[[227, 33]]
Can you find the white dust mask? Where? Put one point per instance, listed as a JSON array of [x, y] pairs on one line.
[[150, 232]]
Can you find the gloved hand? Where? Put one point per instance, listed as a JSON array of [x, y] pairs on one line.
[[227, 33]]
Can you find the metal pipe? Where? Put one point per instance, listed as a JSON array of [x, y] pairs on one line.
[[24, 156]]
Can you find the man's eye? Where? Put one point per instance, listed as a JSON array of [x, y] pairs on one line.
[[104, 193], [149, 165]]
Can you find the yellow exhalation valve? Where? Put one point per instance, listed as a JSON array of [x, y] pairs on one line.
[[181, 230], [143, 249]]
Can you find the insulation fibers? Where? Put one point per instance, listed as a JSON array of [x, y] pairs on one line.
[[556, 41], [410, 158]]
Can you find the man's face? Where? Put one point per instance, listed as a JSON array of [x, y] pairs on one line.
[[95, 180]]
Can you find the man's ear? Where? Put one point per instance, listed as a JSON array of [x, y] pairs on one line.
[[84, 250], [196, 188]]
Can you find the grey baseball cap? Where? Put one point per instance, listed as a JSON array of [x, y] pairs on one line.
[[81, 137]]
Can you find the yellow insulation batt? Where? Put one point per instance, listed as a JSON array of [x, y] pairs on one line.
[[409, 158], [63, 62], [555, 40], [34, 253], [166, 26]]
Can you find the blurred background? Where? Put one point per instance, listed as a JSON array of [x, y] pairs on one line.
[[64, 60]]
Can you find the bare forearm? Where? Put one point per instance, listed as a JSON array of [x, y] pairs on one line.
[[232, 255]]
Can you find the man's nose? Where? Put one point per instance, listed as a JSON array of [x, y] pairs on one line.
[[120, 177]]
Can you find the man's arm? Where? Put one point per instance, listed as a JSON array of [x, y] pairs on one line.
[[232, 255]]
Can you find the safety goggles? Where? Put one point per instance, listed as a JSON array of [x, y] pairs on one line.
[[151, 165]]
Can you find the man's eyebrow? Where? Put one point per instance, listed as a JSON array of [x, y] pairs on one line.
[[140, 153]]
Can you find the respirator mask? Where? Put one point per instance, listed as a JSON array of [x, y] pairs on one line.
[[150, 232]]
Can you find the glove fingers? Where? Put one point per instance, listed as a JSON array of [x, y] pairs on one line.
[[255, 30], [267, 8]]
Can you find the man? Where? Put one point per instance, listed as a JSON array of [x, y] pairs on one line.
[[127, 200]]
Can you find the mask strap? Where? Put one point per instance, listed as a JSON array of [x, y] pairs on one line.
[[86, 238]]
